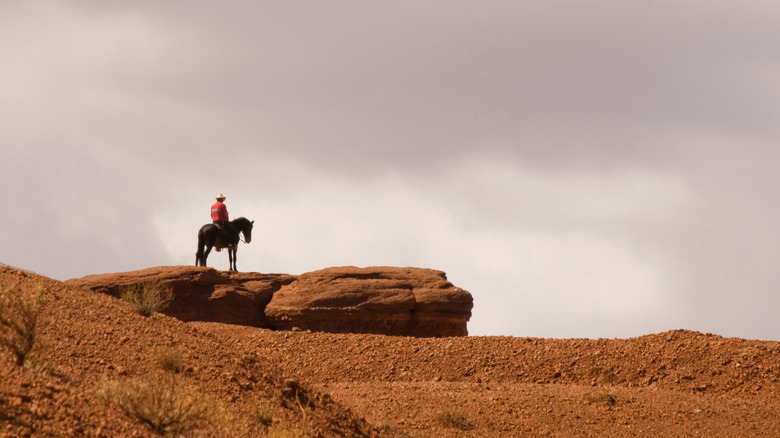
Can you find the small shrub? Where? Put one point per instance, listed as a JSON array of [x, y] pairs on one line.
[[453, 420], [19, 311], [169, 409], [263, 413], [602, 398], [293, 391], [170, 359], [148, 298]]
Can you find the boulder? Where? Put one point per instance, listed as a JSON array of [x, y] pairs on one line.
[[384, 300], [199, 293]]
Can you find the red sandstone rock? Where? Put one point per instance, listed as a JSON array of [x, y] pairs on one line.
[[200, 293], [384, 300]]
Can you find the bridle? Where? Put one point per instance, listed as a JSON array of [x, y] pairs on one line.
[[241, 236]]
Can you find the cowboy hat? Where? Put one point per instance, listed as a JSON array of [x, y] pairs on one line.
[[221, 197]]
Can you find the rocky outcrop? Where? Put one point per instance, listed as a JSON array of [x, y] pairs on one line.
[[383, 300], [199, 293]]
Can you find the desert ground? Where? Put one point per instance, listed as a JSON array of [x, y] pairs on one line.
[[101, 369]]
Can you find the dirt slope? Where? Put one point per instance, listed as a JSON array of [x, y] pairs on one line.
[[93, 338], [677, 383]]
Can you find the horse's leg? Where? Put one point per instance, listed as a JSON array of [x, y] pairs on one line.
[[235, 258], [200, 258], [199, 252], [206, 254], [231, 258]]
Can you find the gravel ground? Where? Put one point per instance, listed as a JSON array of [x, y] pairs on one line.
[[298, 383]]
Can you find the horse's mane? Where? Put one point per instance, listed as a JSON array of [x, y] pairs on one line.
[[241, 220]]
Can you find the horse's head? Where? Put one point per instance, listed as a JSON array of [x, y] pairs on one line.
[[245, 226]]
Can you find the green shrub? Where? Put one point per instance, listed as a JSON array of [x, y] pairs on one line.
[[148, 298], [20, 308]]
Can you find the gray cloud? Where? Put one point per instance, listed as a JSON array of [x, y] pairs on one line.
[[600, 169]]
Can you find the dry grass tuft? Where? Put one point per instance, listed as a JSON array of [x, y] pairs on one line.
[[148, 298], [169, 409], [170, 359], [20, 308], [453, 420], [602, 398], [263, 413]]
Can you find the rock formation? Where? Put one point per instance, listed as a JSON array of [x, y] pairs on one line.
[[395, 301], [383, 300], [200, 293]]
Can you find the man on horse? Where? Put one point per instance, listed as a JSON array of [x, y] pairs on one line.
[[219, 215]]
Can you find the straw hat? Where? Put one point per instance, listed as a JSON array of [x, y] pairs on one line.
[[221, 197]]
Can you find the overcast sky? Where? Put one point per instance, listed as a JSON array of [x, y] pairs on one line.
[[583, 168]]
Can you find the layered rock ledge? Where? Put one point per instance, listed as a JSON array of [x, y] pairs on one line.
[[199, 293], [383, 300]]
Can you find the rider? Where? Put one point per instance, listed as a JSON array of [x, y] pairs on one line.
[[219, 214]]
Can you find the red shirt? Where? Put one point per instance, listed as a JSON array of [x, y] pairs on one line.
[[219, 212]]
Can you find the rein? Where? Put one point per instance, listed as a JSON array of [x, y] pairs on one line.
[[241, 234]]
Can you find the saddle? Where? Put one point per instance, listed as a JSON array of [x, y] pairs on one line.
[[225, 234]]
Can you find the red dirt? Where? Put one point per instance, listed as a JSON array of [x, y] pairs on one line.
[[677, 383]]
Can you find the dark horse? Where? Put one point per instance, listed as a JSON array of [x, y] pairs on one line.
[[211, 236]]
